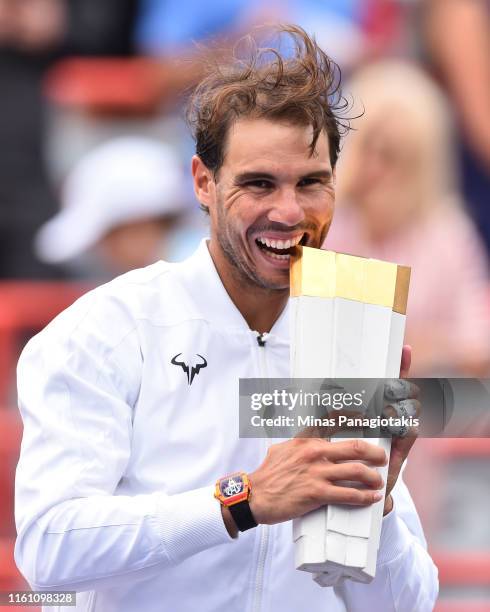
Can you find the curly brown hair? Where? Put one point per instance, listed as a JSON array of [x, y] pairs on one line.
[[302, 87]]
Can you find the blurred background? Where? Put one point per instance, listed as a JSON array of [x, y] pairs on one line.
[[95, 181]]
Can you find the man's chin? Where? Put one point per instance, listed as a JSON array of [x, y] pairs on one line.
[[272, 277], [262, 271], [273, 282]]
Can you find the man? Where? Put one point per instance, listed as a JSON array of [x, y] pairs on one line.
[[129, 398]]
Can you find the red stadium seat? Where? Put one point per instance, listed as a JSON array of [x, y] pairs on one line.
[[462, 570], [26, 307], [106, 85], [10, 577], [462, 605], [10, 436]]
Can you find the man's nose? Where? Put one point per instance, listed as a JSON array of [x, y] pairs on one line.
[[287, 209]]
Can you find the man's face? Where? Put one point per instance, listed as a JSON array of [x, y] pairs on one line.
[[269, 196]]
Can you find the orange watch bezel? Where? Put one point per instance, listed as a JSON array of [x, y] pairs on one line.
[[233, 499]]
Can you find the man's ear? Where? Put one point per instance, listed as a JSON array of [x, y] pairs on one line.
[[204, 185]]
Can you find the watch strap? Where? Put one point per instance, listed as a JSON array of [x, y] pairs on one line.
[[242, 515]]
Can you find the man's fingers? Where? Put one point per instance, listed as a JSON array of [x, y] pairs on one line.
[[356, 472], [352, 450], [406, 361], [404, 444], [400, 389], [404, 408], [351, 496], [409, 408]]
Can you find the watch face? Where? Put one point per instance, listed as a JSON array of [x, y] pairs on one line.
[[232, 486]]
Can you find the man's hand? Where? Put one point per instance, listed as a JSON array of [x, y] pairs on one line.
[[400, 447], [302, 474]]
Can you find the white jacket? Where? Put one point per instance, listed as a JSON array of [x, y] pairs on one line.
[[114, 487]]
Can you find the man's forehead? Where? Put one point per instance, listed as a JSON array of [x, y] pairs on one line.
[[269, 146]]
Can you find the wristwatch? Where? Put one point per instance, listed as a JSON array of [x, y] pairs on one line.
[[233, 491]]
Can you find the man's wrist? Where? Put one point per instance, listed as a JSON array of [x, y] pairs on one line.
[[388, 505], [233, 492], [229, 522]]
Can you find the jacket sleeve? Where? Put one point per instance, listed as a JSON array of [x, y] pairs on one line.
[[76, 399], [406, 577]]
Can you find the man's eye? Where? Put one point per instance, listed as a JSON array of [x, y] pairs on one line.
[[259, 184], [309, 181]]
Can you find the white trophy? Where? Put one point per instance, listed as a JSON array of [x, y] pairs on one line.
[[347, 321]]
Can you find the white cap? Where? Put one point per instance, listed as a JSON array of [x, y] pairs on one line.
[[123, 180]]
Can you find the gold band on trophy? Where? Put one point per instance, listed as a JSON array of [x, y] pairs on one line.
[[319, 273]]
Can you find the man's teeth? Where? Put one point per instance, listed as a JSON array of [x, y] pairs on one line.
[[280, 244], [277, 256]]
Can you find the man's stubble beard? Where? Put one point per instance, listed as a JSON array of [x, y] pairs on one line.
[[238, 265]]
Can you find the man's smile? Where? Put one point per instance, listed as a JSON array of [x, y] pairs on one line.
[[276, 248]]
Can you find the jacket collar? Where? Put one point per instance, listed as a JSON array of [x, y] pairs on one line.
[[203, 281]]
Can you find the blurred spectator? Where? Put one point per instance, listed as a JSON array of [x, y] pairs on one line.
[[458, 33], [397, 201], [32, 25], [123, 208], [458, 41], [33, 33]]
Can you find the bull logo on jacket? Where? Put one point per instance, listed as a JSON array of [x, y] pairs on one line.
[[190, 369]]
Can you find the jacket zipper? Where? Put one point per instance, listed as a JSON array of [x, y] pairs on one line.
[[264, 535], [261, 341], [259, 575], [92, 601]]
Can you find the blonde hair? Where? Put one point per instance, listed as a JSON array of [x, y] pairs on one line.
[[397, 87]]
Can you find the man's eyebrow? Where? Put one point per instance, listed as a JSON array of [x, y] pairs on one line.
[[256, 174], [326, 174]]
